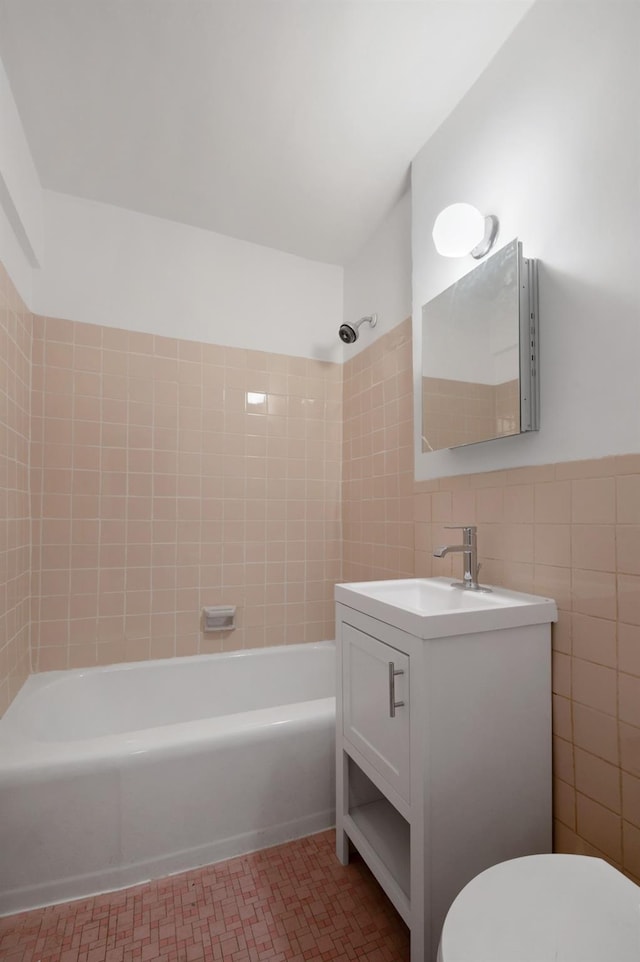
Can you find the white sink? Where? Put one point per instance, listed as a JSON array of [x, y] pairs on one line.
[[435, 608]]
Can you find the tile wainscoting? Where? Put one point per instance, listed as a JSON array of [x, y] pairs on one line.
[[570, 531], [15, 523]]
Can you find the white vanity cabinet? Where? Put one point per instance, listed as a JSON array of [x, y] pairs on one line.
[[375, 699], [443, 742]]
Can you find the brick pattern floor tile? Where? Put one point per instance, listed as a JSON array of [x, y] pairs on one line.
[[294, 902]]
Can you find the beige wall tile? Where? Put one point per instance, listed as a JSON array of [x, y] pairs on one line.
[[598, 779], [596, 733], [563, 766], [596, 468], [519, 543], [561, 674], [441, 506], [631, 844], [629, 748], [631, 799], [490, 504], [16, 360], [628, 499], [552, 544], [594, 593], [463, 507], [564, 803], [561, 632], [552, 502], [422, 507], [565, 840], [594, 686], [593, 546], [518, 576], [488, 479], [553, 582], [535, 474], [627, 464], [629, 648], [594, 639], [562, 722], [492, 542], [628, 548], [518, 503], [600, 827], [629, 699], [629, 599], [593, 501]]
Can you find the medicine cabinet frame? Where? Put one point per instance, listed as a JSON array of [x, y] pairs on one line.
[[526, 302]]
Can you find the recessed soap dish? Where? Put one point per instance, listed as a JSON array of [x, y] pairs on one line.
[[218, 618]]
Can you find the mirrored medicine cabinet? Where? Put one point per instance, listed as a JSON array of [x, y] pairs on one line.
[[479, 354]]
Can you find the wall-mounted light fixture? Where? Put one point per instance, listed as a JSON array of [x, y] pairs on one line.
[[461, 229]]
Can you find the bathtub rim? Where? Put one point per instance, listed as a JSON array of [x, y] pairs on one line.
[[21, 757], [20, 754], [41, 679]]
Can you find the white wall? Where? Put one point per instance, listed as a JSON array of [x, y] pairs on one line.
[[548, 139], [378, 280], [100, 264], [21, 227], [13, 258], [106, 265]]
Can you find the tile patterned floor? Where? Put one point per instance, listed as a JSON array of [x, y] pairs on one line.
[[294, 902]]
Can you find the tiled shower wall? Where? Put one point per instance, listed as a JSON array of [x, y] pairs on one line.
[[15, 534], [377, 505], [168, 475]]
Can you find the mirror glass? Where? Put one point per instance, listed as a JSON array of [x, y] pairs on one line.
[[471, 347]]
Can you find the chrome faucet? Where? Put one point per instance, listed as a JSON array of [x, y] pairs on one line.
[[470, 549]]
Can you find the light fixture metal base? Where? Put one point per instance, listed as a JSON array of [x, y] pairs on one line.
[[491, 226]]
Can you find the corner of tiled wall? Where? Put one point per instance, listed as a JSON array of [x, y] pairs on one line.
[[15, 524], [377, 497]]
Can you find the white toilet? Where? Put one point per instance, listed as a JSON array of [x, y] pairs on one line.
[[545, 908]]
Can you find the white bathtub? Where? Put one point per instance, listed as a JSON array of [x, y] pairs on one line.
[[111, 776]]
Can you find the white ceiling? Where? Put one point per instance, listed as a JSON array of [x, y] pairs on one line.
[[290, 123]]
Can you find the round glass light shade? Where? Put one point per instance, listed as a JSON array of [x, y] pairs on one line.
[[457, 230]]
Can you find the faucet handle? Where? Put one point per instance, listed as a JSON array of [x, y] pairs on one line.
[[462, 527]]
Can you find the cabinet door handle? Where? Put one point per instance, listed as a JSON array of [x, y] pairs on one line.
[[393, 704]]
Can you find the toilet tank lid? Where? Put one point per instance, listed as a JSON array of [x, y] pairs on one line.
[[561, 908]]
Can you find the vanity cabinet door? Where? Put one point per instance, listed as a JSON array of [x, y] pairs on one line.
[[375, 685]]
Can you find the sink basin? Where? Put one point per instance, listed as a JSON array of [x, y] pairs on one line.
[[435, 608]]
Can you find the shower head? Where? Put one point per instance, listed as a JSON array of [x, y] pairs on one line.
[[350, 332]]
